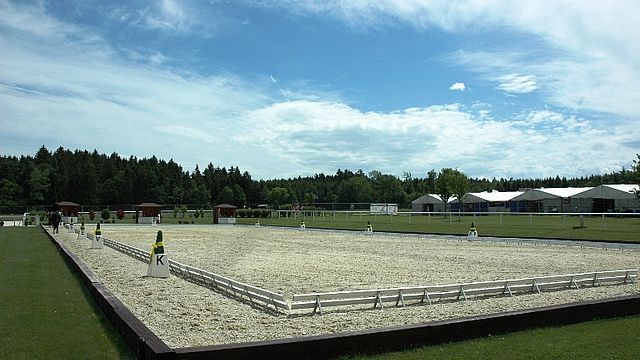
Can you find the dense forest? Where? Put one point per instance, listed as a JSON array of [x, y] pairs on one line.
[[90, 178]]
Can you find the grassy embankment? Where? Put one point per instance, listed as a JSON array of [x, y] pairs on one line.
[[45, 310]]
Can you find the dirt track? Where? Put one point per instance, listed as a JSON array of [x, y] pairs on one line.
[[291, 261]]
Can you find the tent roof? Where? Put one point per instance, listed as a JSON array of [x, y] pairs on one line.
[[615, 191], [66, 203], [432, 199], [149, 205], [490, 196], [225, 206], [550, 193]]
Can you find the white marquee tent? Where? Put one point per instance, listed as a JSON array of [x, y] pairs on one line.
[[612, 198], [430, 202], [553, 200], [491, 201]]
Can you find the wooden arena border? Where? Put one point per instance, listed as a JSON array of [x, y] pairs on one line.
[[147, 345]]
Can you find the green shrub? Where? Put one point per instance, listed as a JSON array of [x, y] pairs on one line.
[[242, 213], [43, 215], [197, 213], [105, 214], [266, 213]]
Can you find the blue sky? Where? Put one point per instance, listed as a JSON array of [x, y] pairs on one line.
[[285, 88]]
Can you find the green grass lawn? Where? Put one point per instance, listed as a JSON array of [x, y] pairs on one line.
[[45, 311], [593, 340], [549, 226]]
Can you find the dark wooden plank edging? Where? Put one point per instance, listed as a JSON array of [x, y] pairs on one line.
[[135, 334], [438, 332], [148, 346]]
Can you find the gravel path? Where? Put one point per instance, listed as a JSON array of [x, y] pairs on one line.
[[292, 261]]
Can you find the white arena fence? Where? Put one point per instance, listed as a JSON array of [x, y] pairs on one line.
[[201, 277], [377, 297], [400, 296], [600, 221]]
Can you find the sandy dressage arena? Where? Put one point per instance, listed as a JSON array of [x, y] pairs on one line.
[[291, 261]]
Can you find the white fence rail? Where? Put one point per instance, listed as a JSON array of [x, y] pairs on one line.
[[229, 286], [198, 276], [378, 297]]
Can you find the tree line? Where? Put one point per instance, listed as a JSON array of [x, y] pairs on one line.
[[91, 178]]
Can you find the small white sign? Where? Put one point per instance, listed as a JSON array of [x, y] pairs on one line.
[[96, 243], [158, 266]]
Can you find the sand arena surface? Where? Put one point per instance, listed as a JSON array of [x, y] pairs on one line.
[[292, 261]]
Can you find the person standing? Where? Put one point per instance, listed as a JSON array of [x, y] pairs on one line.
[[56, 218]]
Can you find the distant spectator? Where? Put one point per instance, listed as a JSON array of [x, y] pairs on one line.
[[56, 218]]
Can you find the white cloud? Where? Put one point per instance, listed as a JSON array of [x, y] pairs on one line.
[[587, 50], [517, 84], [59, 92], [457, 86], [323, 136], [34, 20], [188, 133], [180, 17], [63, 92], [157, 58], [167, 14]]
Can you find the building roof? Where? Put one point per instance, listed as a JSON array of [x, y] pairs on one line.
[[550, 193], [490, 196], [432, 199], [614, 191], [66, 203], [149, 205], [225, 206]]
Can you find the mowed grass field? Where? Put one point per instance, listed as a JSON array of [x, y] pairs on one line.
[[45, 311], [594, 340], [598, 228]]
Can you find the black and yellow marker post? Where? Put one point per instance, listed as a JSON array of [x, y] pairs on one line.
[[473, 232], [158, 260], [369, 227], [158, 246]]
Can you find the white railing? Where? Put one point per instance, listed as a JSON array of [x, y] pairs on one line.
[[378, 297], [198, 276], [134, 252], [229, 286]]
